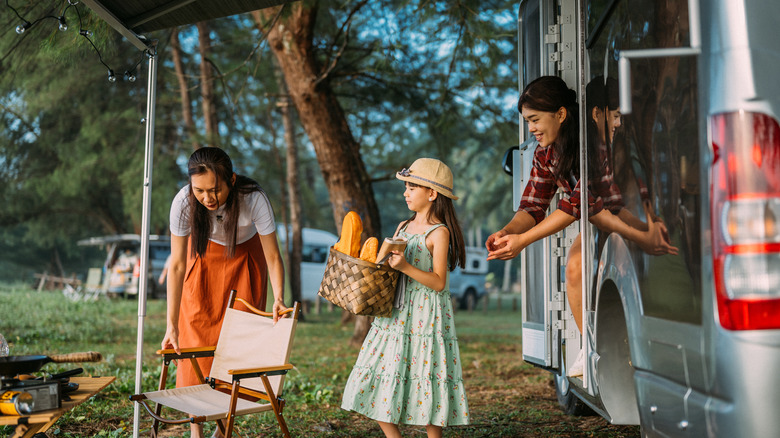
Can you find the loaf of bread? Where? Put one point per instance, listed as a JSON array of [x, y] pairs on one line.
[[351, 229], [370, 247]]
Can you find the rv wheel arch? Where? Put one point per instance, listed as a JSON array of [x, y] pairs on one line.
[[615, 369]]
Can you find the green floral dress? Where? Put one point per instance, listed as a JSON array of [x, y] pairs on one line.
[[408, 370]]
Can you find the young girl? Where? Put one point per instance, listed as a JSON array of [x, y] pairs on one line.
[[227, 223], [408, 370]]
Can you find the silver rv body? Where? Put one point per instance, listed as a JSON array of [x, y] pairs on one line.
[[683, 345]]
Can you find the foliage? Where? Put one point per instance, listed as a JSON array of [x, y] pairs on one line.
[[415, 79]]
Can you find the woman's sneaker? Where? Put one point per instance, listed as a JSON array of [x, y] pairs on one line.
[[575, 370]]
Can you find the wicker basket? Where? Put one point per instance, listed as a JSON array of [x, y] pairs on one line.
[[358, 286]]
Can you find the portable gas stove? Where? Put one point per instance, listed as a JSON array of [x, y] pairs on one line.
[[47, 392]]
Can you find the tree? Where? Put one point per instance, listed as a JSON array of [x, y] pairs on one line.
[[401, 80], [338, 154], [310, 74]]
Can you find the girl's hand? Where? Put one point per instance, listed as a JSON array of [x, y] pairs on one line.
[[171, 339], [397, 261], [506, 247], [490, 243], [279, 307]]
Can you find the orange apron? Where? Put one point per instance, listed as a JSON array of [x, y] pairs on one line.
[[207, 285]]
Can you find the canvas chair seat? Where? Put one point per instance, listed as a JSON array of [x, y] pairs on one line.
[[251, 359], [202, 400]]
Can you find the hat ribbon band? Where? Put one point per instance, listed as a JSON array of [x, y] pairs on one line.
[[405, 172]]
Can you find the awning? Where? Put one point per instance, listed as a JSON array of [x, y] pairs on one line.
[[133, 18]]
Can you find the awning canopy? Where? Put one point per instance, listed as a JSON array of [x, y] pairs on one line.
[[133, 18]]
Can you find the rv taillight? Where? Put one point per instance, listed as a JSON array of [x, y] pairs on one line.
[[745, 195]]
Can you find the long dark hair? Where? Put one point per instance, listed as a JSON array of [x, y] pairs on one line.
[[212, 159], [604, 95], [549, 94], [443, 210]]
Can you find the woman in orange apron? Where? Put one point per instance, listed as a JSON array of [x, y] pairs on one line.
[[223, 237]]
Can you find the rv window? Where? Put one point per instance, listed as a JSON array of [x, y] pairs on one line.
[[531, 41], [649, 160]]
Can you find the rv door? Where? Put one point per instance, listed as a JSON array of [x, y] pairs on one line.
[[547, 37]]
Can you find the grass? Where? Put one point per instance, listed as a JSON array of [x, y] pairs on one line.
[[507, 397]]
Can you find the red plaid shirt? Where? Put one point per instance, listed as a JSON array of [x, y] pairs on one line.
[[542, 185], [605, 187]]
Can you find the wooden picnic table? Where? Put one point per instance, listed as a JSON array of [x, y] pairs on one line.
[[46, 281], [29, 425]]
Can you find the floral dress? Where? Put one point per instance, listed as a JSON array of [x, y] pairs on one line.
[[408, 370]]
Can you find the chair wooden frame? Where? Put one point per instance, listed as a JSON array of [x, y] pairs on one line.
[[274, 400]]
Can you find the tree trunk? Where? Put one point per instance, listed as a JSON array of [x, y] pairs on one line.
[[186, 102], [293, 189], [207, 85], [323, 119]]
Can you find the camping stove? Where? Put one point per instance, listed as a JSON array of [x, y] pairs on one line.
[[45, 393]]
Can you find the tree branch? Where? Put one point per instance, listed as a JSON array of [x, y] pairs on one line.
[[347, 24]]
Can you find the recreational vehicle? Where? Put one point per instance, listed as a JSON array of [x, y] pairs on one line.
[[684, 345]]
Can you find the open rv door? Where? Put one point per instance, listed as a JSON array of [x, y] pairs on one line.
[[547, 39]]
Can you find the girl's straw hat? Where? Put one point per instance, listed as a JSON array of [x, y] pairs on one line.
[[431, 173]]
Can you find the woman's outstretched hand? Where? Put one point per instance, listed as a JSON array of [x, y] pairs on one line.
[[490, 243], [502, 246]]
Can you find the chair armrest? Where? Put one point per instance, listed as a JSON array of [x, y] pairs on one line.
[[257, 372], [186, 353]]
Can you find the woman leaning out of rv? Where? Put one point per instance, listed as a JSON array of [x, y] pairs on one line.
[[550, 109]]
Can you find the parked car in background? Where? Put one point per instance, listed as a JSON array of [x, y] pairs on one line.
[[121, 268], [467, 285], [314, 256]]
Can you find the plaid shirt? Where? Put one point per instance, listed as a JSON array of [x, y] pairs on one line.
[[605, 187], [542, 186]]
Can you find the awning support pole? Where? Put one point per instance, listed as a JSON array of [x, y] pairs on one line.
[[143, 281]]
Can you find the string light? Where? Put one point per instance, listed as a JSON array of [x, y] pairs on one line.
[[22, 28], [129, 75]]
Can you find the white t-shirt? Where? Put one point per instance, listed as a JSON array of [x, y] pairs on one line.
[[256, 216]]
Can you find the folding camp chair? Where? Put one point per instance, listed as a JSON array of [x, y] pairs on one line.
[[89, 291], [251, 359]]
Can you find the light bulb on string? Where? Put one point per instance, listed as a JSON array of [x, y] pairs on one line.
[[129, 75], [20, 29]]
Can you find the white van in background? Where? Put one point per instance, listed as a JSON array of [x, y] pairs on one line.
[[316, 246], [467, 285]]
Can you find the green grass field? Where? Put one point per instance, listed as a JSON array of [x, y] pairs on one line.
[[507, 397]]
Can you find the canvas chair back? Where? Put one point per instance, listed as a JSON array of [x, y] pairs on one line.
[[93, 278], [248, 340]]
